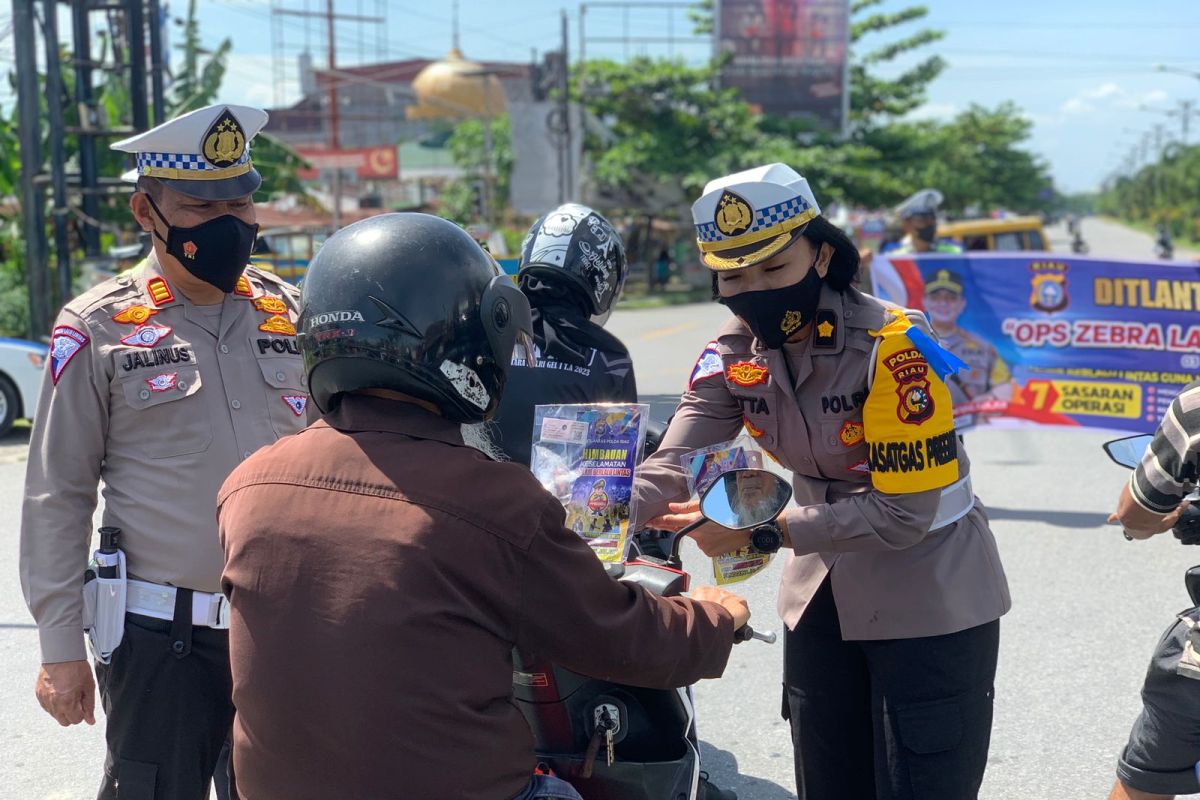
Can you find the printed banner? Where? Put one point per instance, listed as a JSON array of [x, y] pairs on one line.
[[1056, 339]]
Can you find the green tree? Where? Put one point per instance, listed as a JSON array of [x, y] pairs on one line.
[[467, 148], [874, 99]]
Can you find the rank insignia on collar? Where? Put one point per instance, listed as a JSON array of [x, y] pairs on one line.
[[146, 335], [746, 373], [159, 292], [163, 382], [827, 326], [65, 342], [297, 403], [134, 315], [243, 287], [270, 304], [851, 433], [278, 324]]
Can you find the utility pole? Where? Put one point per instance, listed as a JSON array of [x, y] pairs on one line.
[[567, 176], [33, 218], [332, 96]]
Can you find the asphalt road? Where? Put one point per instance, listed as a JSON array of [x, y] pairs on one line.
[[1088, 608]]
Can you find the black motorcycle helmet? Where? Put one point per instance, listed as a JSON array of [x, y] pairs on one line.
[[409, 302], [576, 252]]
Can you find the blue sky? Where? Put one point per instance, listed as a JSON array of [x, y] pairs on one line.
[[1081, 69]]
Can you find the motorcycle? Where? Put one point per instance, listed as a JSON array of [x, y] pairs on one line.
[[618, 742], [1128, 452], [1078, 245], [1164, 249]]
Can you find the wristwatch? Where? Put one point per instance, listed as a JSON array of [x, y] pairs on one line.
[[766, 539]]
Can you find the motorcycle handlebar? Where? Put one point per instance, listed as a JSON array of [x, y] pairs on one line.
[[746, 633]]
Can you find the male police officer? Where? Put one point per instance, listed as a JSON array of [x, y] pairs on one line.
[[918, 216], [160, 382], [989, 377]]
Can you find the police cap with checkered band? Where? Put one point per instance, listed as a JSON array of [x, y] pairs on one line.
[[203, 154], [750, 216]]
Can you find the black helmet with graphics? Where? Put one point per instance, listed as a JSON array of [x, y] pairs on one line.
[[573, 252], [410, 303]]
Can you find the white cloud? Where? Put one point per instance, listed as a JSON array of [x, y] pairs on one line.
[[1076, 106], [1106, 90]]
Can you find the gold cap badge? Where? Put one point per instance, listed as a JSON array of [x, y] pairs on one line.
[[224, 142], [734, 214]]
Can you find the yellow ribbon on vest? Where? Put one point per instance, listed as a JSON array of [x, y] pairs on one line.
[[908, 419]]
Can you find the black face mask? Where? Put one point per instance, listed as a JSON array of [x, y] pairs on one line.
[[927, 233], [215, 251], [775, 314]]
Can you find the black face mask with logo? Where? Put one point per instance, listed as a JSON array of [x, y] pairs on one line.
[[776, 314], [215, 251], [927, 233]]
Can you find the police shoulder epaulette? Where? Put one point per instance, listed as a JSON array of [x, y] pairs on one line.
[[103, 295], [272, 282]]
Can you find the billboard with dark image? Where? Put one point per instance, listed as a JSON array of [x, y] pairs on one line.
[[788, 56]]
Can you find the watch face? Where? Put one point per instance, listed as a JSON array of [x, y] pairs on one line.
[[766, 539]]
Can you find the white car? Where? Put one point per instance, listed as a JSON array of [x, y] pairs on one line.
[[21, 365]]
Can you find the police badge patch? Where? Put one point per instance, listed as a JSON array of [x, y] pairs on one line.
[[297, 403], [163, 382], [146, 336], [65, 342], [224, 142], [707, 365]]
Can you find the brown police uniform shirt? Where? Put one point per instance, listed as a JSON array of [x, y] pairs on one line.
[[892, 577], [380, 573], [157, 400]]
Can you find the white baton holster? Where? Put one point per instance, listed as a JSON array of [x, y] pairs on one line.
[[104, 605]]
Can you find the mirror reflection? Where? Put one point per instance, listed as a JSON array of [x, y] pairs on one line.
[[744, 498], [1128, 452]]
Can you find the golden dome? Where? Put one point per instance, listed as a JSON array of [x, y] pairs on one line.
[[453, 89]]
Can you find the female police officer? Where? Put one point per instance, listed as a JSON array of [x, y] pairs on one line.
[[894, 597]]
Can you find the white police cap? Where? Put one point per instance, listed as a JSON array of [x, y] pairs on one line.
[[925, 201], [749, 216], [204, 154]]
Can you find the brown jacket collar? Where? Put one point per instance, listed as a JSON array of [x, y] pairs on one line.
[[358, 413]]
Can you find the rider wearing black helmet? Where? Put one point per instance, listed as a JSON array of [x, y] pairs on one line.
[[380, 570], [572, 269]]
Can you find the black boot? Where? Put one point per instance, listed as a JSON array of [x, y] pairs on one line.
[[710, 792]]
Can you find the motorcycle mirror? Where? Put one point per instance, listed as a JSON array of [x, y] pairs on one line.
[[1128, 452], [745, 498]]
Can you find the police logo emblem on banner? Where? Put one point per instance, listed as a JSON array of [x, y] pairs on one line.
[[224, 142], [65, 342], [1048, 291], [146, 336], [746, 373], [911, 372], [297, 403], [734, 215]]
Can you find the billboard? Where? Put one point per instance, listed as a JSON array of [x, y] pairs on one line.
[[371, 163], [1057, 339], [788, 57]]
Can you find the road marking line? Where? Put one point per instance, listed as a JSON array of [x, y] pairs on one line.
[[662, 332]]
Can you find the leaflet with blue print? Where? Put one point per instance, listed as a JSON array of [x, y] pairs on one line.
[[585, 456], [703, 467]]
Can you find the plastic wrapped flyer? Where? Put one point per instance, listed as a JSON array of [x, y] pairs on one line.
[[585, 456], [703, 467]]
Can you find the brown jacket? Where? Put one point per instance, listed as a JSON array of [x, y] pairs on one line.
[[380, 573], [892, 577]]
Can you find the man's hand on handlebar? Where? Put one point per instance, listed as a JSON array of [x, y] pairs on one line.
[[736, 606], [1139, 523]]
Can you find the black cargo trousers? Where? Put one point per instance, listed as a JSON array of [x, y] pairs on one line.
[[167, 696]]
